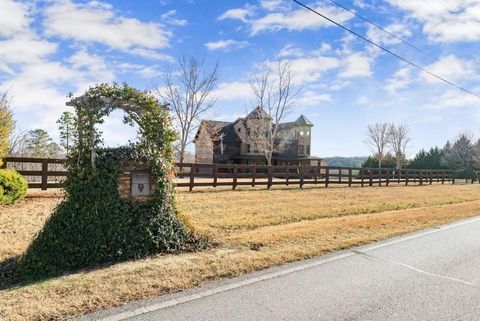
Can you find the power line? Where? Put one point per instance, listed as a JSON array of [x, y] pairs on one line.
[[386, 50], [376, 26]]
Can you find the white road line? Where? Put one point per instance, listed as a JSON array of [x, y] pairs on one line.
[[205, 293], [377, 258]]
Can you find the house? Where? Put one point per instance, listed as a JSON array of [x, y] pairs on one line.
[[244, 140]]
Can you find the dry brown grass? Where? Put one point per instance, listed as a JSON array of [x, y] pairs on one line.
[[256, 229]]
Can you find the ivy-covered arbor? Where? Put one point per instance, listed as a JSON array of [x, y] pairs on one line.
[[94, 224]]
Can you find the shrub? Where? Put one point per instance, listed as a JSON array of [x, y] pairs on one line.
[[94, 225], [13, 186]]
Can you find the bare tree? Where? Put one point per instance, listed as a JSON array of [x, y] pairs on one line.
[[398, 140], [188, 91], [275, 93], [377, 140]]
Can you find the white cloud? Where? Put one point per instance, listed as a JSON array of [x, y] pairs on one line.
[[299, 19], [400, 80], [225, 45], [400, 30], [25, 48], [169, 17], [453, 98], [241, 14], [97, 22], [290, 51], [446, 21], [450, 67], [151, 54], [272, 4], [356, 65], [13, 17], [281, 16], [312, 98], [313, 68], [364, 100], [235, 90]]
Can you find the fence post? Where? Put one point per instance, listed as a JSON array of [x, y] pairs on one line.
[[327, 176], [192, 176], [44, 174], [350, 177], [340, 175], [269, 184], [302, 168], [421, 177], [407, 176], [215, 175], [388, 177], [431, 177], [361, 174], [380, 173], [370, 177], [235, 172], [287, 174], [443, 177], [317, 172], [254, 173]]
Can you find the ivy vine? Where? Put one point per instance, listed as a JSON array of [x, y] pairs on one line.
[[94, 224]]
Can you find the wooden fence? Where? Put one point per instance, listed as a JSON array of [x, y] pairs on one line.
[[196, 175], [40, 174]]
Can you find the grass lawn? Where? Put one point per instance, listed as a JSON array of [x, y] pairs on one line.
[[255, 229]]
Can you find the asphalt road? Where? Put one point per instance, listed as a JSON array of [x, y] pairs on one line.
[[432, 275]]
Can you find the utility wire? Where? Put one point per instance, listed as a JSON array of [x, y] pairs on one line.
[[376, 26], [387, 51]]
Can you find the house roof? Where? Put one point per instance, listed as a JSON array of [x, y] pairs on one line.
[[303, 121], [258, 112], [230, 134]]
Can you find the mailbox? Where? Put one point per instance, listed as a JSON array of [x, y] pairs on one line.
[[140, 183]]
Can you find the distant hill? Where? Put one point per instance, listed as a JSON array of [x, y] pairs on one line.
[[355, 161]]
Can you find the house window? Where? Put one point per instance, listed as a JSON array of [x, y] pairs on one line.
[[308, 133], [308, 150], [301, 133]]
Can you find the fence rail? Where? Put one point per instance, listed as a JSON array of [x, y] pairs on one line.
[[193, 175]]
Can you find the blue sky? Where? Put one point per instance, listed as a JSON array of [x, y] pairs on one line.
[[49, 48]]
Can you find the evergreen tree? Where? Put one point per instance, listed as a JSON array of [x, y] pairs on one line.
[[6, 125], [40, 144], [388, 162], [68, 131], [461, 156], [428, 160]]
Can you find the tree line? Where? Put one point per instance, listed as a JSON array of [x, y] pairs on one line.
[[388, 143], [35, 142]]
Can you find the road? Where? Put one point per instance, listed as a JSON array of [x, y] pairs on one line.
[[431, 275]]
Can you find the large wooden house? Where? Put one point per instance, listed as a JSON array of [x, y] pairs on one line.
[[235, 142]]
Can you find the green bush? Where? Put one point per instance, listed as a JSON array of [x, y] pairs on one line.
[[13, 186], [94, 225]]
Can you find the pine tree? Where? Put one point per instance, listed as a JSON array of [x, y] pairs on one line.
[[68, 131], [6, 126]]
